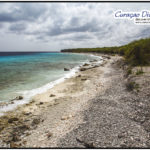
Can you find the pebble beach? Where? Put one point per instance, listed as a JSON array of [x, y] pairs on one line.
[[92, 109]]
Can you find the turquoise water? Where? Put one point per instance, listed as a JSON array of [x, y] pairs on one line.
[[24, 72]]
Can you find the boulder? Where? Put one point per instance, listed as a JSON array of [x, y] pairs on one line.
[[86, 64], [52, 95], [11, 120], [66, 69], [83, 79], [19, 98], [93, 60], [107, 57], [83, 69], [41, 103], [35, 121]]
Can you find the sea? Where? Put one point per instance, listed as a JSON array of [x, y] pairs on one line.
[[29, 73]]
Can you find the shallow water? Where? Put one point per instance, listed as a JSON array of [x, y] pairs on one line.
[[23, 72]]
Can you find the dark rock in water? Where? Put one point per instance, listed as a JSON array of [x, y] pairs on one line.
[[52, 95], [19, 98], [35, 121], [11, 120], [93, 60], [83, 69], [79, 75], [86, 64], [66, 69]]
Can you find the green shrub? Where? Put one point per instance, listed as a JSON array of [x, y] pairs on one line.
[[136, 53], [139, 71], [129, 71]]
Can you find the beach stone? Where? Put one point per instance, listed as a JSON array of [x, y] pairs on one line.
[[27, 134], [32, 101], [70, 116], [11, 120], [15, 138], [22, 128], [24, 142], [79, 75], [107, 57], [27, 113], [64, 118], [56, 103], [93, 60], [83, 69], [41, 103], [14, 145], [49, 135], [19, 98], [66, 69], [52, 95], [95, 66], [83, 79], [86, 64], [35, 121]]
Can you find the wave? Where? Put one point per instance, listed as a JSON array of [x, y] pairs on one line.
[[28, 94]]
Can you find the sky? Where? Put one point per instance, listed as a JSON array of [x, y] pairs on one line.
[[56, 26]]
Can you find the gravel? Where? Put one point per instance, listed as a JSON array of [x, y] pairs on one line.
[[116, 118]]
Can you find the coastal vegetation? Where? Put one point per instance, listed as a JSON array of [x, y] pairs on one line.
[[136, 53]]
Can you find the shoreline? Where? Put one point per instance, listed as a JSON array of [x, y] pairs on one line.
[[40, 102], [96, 108], [26, 97]]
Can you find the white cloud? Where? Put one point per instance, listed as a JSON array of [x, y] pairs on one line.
[[55, 26]]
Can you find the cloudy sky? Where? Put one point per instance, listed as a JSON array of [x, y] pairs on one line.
[[55, 26]]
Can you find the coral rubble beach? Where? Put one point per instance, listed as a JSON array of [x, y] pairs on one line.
[[92, 109]]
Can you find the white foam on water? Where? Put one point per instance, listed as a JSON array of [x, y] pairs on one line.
[[30, 93]]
